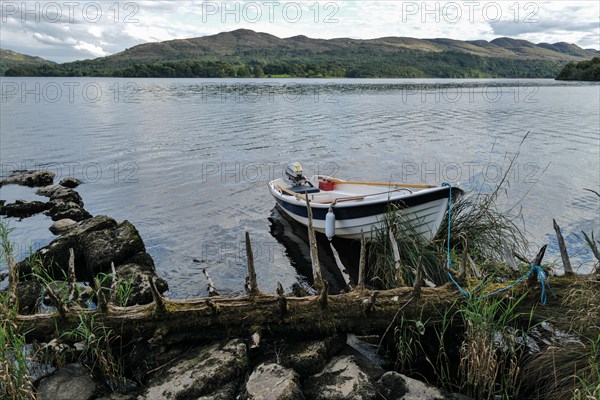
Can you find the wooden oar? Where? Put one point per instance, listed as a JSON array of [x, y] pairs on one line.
[[408, 185]]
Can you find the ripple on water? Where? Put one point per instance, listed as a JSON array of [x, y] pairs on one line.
[[189, 190]]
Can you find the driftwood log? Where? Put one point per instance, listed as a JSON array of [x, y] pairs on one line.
[[360, 311]]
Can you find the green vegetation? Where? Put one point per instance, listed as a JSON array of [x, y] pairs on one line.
[[10, 59], [247, 54], [588, 70], [14, 374], [98, 354], [368, 63]]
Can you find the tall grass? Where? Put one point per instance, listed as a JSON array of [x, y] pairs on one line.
[[491, 350], [15, 382], [478, 225], [413, 249], [98, 352], [569, 371]]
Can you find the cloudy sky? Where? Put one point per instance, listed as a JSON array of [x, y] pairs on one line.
[[69, 30]]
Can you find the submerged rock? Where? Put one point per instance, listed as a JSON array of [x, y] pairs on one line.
[[71, 382], [342, 379], [70, 182], [65, 203], [202, 372], [23, 209], [273, 382], [35, 178]]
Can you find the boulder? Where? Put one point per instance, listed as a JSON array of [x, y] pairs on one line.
[[309, 357], [228, 391], [97, 242], [64, 195], [29, 293], [117, 396], [273, 382], [23, 209], [138, 278], [201, 372], [342, 378], [75, 213], [101, 247], [47, 191], [70, 182], [395, 386], [72, 381], [62, 226], [64, 203], [35, 178], [55, 256]]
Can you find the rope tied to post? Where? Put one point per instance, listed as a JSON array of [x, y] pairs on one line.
[[541, 274]]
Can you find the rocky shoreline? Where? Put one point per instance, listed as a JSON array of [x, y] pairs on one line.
[[264, 366], [280, 369]]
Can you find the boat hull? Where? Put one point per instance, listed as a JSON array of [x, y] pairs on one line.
[[424, 211]]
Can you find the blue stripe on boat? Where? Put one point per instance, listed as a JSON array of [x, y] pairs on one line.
[[367, 210]]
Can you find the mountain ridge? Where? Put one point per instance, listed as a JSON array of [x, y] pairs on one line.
[[246, 53]]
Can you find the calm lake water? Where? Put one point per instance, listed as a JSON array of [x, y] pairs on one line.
[[187, 161]]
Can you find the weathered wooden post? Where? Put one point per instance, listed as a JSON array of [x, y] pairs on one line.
[[252, 283], [563, 249], [314, 254]]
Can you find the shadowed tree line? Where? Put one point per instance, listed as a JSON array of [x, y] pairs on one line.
[[364, 63], [588, 70]]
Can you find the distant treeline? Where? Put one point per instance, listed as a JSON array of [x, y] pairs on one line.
[[367, 64], [588, 70]]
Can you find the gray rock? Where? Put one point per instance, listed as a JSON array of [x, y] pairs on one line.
[[68, 383], [56, 254], [48, 191], [64, 203], [273, 382], [96, 243], [28, 292], [70, 182], [65, 195], [116, 396], [395, 386], [227, 392], [35, 178], [62, 225], [341, 379], [75, 213], [202, 372], [23, 209], [101, 247], [309, 357], [138, 276]]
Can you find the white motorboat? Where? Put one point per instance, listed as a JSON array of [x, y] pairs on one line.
[[344, 208]]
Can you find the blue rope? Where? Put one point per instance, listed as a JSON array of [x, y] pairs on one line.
[[448, 261], [540, 272]]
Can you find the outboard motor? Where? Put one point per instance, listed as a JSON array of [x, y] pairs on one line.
[[294, 175]]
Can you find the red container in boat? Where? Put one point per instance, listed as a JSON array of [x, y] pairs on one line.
[[326, 185]]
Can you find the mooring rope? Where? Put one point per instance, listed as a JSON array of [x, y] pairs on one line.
[[540, 272]]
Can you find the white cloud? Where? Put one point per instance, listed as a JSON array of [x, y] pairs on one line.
[[84, 36], [92, 49]]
